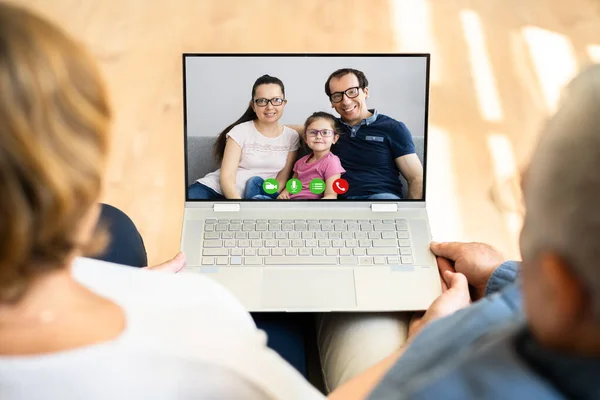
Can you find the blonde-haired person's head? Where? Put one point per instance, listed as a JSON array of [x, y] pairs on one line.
[[54, 121]]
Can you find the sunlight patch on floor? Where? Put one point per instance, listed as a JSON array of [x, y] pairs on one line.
[[507, 194], [411, 22], [442, 190], [553, 60], [481, 68], [594, 52], [502, 156]]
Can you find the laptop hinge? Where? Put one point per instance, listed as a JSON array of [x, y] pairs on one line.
[[226, 207], [384, 207]]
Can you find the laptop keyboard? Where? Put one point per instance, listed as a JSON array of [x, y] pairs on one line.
[[280, 242]]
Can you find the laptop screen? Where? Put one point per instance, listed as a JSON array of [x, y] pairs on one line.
[[305, 127]]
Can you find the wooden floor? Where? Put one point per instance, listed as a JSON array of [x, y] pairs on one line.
[[497, 67]]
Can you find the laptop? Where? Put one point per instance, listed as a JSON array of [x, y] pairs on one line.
[[303, 255]]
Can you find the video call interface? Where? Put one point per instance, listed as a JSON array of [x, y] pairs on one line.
[[305, 127]]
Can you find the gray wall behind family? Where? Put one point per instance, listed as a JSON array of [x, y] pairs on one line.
[[218, 89]]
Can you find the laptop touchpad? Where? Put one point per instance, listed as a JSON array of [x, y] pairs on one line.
[[300, 288]]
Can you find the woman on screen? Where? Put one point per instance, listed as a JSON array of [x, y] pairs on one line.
[[255, 146]]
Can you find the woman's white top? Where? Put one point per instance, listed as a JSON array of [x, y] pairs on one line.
[[186, 338], [261, 156]]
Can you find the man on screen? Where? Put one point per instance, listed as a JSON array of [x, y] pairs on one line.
[[373, 148]]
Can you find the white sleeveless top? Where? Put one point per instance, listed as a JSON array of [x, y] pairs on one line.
[[261, 156]]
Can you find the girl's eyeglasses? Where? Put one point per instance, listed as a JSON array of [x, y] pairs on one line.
[[324, 132]]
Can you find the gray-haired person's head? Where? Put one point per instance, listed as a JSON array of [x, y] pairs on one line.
[[562, 186]]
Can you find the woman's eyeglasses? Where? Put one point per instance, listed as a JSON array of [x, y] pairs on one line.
[[276, 101], [324, 132], [350, 93]]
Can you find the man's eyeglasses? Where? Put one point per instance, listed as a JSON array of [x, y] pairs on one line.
[[350, 93], [324, 132], [276, 101]]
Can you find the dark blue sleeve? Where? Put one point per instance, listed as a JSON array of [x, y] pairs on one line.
[[401, 141], [504, 275]]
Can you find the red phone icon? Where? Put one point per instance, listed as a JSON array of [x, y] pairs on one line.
[[340, 186]]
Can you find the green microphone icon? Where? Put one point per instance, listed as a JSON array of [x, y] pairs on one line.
[[294, 186]]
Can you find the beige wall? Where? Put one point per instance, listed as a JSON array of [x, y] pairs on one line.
[[139, 45]]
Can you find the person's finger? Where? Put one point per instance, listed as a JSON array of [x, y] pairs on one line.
[[180, 257], [444, 284], [449, 250], [176, 264], [447, 278], [456, 280], [444, 265]]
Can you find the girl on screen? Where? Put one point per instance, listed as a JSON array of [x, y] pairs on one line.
[[255, 146], [320, 133]]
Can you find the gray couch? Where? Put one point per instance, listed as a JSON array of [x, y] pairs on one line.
[[201, 160]]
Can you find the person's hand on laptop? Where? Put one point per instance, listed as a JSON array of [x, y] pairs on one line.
[[455, 296], [174, 265], [476, 261]]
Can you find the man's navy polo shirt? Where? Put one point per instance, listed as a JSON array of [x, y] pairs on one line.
[[368, 152]]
